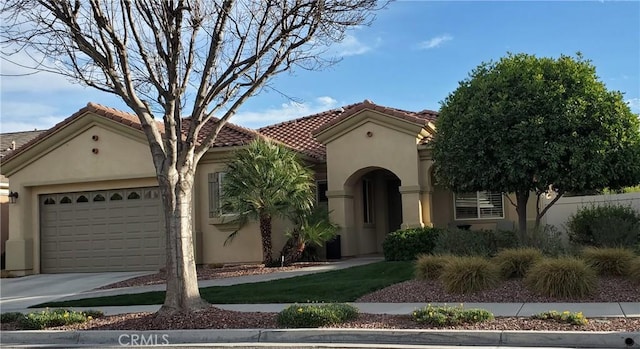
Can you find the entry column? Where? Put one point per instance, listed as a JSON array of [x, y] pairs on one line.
[[411, 206], [341, 213]]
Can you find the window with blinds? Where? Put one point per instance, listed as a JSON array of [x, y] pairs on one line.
[[215, 197], [478, 205]]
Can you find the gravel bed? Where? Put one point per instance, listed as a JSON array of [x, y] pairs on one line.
[[610, 289], [215, 318]]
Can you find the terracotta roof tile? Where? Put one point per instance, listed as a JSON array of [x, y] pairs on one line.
[[299, 133], [230, 135]]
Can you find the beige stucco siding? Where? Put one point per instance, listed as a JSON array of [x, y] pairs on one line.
[[359, 148]]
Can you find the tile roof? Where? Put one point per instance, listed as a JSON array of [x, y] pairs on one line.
[[13, 140], [297, 134], [230, 135]]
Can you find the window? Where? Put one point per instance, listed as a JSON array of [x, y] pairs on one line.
[[479, 205], [65, 200], [82, 198], [215, 194], [367, 201], [133, 196], [116, 197], [49, 201], [321, 192], [98, 198]]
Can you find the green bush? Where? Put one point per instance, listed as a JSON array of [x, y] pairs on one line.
[[484, 243], [429, 267], [548, 239], [406, 245], [605, 226], [634, 270], [563, 277], [450, 316], [515, 262], [608, 261], [10, 317], [50, 318], [316, 315], [469, 274], [566, 317]]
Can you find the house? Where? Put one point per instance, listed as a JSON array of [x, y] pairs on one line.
[[9, 142], [88, 197]]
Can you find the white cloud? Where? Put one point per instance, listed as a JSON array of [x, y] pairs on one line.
[[351, 46], [28, 116], [634, 104], [435, 42], [19, 78], [286, 111]]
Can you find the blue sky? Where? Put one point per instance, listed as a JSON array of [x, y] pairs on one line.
[[411, 57]]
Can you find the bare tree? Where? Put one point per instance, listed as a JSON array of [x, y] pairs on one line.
[[178, 58]]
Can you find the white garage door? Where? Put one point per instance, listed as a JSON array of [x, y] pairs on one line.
[[111, 230]]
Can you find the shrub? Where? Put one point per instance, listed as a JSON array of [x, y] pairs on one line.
[[548, 239], [450, 316], [563, 277], [484, 243], [51, 318], [406, 245], [469, 274], [515, 262], [299, 316], [605, 226], [634, 270], [10, 317], [429, 267], [564, 317], [608, 261]]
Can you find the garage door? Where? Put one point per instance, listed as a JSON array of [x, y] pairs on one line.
[[111, 230]]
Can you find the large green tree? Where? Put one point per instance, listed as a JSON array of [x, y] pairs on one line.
[[265, 180], [526, 125]]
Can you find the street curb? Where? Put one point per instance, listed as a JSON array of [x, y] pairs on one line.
[[334, 336]]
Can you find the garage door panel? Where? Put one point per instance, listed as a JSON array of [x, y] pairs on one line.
[[116, 230]]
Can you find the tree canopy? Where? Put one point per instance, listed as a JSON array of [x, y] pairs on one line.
[[527, 124]]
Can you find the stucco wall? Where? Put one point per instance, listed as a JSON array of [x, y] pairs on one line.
[[558, 215], [363, 147]]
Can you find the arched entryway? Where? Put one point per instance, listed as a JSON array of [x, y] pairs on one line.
[[376, 207]]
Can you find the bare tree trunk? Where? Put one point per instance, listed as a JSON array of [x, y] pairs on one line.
[[182, 279], [522, 197], [265, 233]]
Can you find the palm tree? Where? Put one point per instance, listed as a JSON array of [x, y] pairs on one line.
[[266, 179]]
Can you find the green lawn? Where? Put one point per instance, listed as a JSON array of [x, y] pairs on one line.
[[344, 285]]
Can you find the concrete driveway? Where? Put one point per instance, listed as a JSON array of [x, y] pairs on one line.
[[23, 292]]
